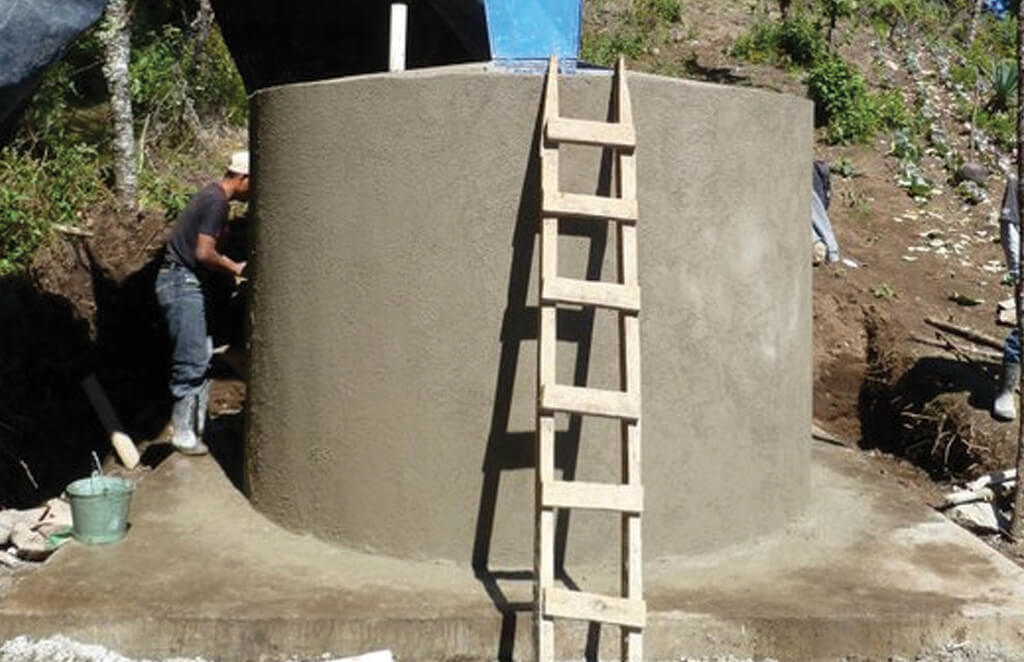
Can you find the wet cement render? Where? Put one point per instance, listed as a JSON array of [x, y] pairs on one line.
[[393, 313], [865, 573]]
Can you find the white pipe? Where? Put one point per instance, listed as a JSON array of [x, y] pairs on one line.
[[399, 21]]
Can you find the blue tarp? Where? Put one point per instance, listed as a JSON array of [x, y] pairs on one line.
[[534, 29], [1000, 8]]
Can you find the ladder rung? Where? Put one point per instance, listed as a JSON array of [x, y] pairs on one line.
[[562, 603], [593, 496], [591, 293], [586, 132], [590, 401], [598, 207]]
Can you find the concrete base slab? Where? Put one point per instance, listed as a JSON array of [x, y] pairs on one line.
[[865, 573]]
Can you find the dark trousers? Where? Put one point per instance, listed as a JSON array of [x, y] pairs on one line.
[[180, 295]]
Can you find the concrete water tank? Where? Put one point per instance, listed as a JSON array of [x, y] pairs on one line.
[[393, 319]]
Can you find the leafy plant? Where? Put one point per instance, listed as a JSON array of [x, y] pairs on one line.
[[883, 291], [841, 101], [834, 10], [794, 41], [665, 10], [603, 49], [39, 190], [970, 192], [844, 168], [965, 75], [1002, 77], [914, 181], [903, 147], [174, 80], [891, 109]]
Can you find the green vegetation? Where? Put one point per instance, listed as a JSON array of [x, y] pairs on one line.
[[639, 27], [842, 102], [603, 49], [665, 10], [1002, 77], [58, 163], [793, 42], [883, 291]]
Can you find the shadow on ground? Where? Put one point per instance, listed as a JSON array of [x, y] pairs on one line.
[[514, 450], [931, 410]]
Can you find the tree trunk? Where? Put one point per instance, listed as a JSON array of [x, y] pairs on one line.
[[116, 39], [972, 23], [1017, 522], [200, 30]]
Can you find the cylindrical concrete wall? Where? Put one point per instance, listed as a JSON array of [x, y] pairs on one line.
[[393, 343]]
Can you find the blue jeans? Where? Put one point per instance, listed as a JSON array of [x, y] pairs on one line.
[[180, 295], [821, 228], [1011, 351]]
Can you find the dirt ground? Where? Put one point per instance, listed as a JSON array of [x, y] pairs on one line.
[[883, 380], [88, 307]]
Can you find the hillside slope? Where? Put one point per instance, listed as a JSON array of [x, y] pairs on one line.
[[883, 379]]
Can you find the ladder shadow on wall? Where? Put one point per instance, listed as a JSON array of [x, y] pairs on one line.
[[514, 450]]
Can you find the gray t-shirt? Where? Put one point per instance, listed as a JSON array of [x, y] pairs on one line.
[[206, 213]]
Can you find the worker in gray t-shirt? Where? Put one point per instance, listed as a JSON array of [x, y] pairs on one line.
[[1004, 407], [191, 254]]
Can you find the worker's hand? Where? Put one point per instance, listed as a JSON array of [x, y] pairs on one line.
[[240, 273]]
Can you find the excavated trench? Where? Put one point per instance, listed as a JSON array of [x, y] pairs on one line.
[[930, 410], [87, 307]]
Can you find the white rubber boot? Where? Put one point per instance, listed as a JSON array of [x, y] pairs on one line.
[[182, 416], [1004, 408], [202, 408]]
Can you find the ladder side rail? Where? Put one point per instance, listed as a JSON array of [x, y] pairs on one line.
[[544, 535], [631, 645]]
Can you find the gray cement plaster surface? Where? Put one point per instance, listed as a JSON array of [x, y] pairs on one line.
[[393, 342], [865, 573]]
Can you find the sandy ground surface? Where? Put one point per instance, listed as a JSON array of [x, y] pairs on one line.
[[62, 649]]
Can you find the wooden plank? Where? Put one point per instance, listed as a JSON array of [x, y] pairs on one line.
[[592, 496], [594, 207], [544, 518], [590, 293], [544, 537], [631, 639], [577, 605], [119, 439], [586, 132], [589, 401], [623, 106]]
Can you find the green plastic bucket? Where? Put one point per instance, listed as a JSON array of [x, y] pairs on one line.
[[99, 508]]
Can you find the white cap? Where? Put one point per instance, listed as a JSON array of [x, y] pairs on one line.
[[239, 163]]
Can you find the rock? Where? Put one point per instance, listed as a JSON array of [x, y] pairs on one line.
[[31, 545], [979, 516], [819, 251], [375, 656]]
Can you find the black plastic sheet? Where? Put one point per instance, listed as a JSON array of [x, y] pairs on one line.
[[33, 34]]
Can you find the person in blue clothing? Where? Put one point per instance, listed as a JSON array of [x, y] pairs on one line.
[[1004, 407], [823, 239], [190, 259]]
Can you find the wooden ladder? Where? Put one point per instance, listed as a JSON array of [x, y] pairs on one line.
[[628, 609]]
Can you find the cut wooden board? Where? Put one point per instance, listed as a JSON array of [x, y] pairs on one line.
[[119, 439], [577, 605], [591, 293], [589, 401], [592, 496], [595, 207], [586, 132]]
